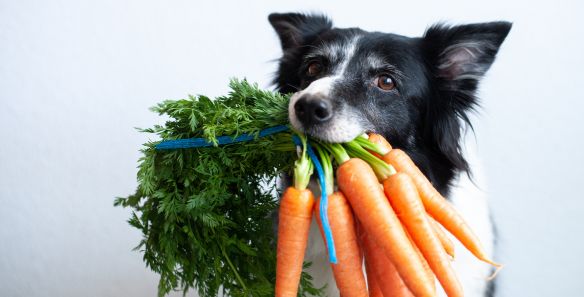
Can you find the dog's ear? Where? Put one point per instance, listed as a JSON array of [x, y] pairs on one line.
[[466, 52], [458, 57], [295, 29]]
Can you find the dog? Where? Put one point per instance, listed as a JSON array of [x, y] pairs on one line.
[[416, 92]]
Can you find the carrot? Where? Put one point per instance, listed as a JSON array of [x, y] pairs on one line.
[[348, 271], [383, 148], [437, 206], [359, 183], [427, 269], [374, 143], [295, 216], [380, 141], [446, 242], [382, 271], [403, 196]]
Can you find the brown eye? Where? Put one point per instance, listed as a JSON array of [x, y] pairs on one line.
[[314, 69], [385, 82]]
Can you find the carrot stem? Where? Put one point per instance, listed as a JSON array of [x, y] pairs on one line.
[[338, 152], [327, 167], [381, 169], [368, 145], [302, 167], [233, 268]]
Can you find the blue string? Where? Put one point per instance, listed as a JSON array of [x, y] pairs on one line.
[[221, 140], [326, 227]]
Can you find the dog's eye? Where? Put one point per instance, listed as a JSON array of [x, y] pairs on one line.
[[314, 69], [385, 82]]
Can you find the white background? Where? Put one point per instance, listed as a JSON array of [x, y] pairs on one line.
[[77, 76]]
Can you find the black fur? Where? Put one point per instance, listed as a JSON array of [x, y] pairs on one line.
[[436, 76], [295, 31]]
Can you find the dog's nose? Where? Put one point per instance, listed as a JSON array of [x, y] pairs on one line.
[[312, 110]]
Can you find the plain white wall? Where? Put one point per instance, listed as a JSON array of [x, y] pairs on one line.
[[77, 76]]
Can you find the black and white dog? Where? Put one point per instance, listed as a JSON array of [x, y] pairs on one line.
[[417, 92]]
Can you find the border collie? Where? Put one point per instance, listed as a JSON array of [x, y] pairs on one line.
[[417, 92]]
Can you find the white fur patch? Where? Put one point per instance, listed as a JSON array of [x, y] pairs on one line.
[[472, 203], [344, 127], [348, 53]]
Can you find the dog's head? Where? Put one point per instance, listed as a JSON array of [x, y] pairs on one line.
[[415, 91]]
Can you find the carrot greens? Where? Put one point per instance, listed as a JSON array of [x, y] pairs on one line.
[[206, 213]]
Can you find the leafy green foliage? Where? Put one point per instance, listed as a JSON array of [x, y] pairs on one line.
[[205, 213]]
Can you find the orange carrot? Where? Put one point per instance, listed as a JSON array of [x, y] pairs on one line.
[[295, 216], [359, 183], [405, 200], [348, 271], [437, 206], [382, 143], [446, 242], [383, 272], [427, 269]]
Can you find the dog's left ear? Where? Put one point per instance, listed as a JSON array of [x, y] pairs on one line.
[[295, 29], [458, 57]]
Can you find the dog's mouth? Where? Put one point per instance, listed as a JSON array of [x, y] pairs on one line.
[[342, 127], [332, 134]]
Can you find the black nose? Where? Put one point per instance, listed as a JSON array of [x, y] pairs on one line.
[[312, 110]]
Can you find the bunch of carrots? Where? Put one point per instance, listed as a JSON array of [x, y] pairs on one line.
[[385, 211]]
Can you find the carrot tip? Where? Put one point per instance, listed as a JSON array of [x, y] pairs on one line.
[[498, 268], [493, 263]]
